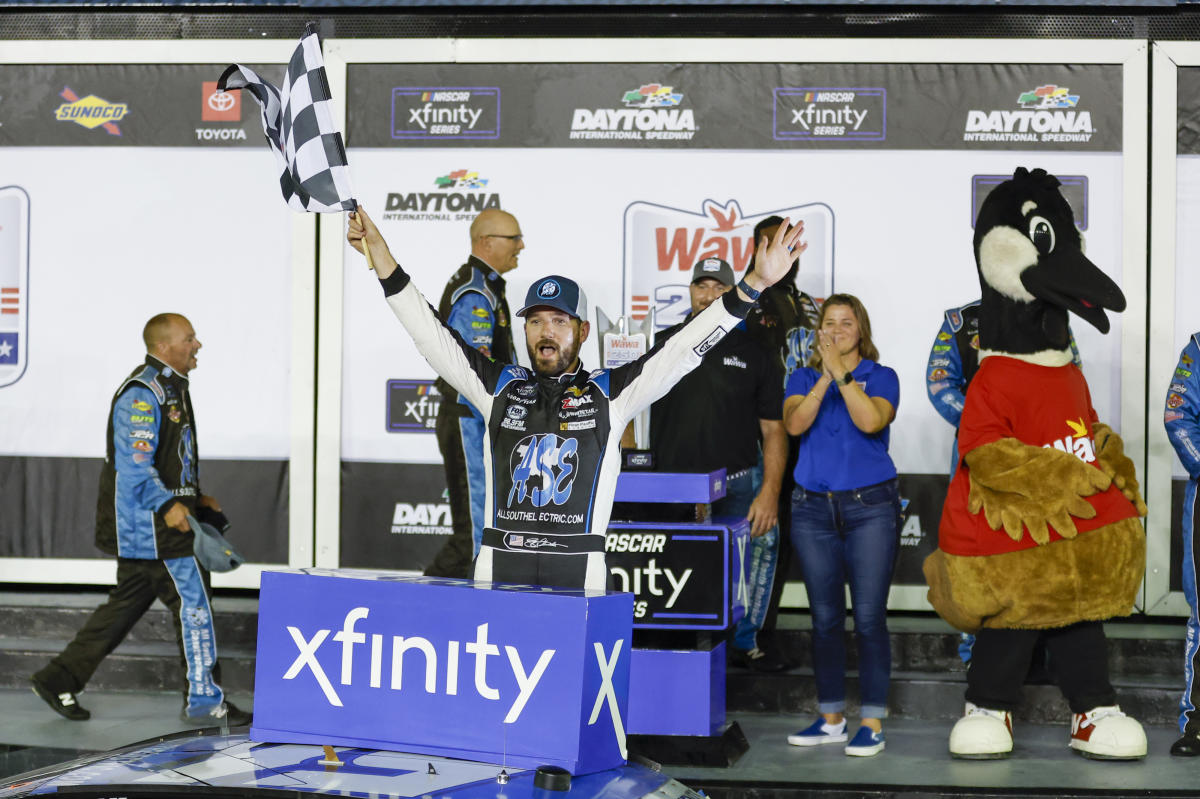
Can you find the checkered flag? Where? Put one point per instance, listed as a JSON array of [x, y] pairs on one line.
[[299, 127]]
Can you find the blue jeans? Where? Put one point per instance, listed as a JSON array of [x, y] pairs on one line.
[[852, 536], [740, 491]]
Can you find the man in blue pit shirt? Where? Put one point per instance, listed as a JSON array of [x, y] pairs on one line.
[[474, 305]]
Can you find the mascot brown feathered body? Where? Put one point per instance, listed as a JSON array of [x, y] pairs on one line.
[[1039, 537]]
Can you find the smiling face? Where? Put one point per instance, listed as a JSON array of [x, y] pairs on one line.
[[178, 345], [840, 321], [704, 291], [553, 339]]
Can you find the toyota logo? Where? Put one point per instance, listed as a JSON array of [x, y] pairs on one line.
[[221, 101]]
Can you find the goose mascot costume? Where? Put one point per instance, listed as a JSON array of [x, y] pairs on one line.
[[1040, 536]]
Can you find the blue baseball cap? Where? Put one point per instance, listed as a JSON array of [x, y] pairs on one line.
[[558, 292]]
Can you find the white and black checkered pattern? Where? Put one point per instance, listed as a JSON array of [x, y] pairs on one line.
[[298, 123]]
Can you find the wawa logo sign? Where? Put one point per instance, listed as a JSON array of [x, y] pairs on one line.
[[649, 112], [662, 244], [1046, 114], [90, 112], [1078, 442]]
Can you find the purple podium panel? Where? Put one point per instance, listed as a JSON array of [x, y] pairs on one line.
[[514, 674], [670, 486], [682, 576], [677, 692]]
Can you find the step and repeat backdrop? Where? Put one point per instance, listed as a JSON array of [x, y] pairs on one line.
[[126, 190], [623, 175]]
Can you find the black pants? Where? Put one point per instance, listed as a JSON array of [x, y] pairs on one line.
[[139, 582], [455, 556], [1000, 660]]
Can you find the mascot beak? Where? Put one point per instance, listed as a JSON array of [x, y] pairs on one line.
[[1066, 278]]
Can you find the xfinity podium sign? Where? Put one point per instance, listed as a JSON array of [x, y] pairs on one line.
[[541, 673]]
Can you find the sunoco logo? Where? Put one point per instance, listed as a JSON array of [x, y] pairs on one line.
[[650, 112], [841, 114], [446, 112], [90, 112], [663, 244], [1047, 114], [459, 194]]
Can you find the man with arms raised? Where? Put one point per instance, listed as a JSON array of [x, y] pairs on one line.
[[552, 451]]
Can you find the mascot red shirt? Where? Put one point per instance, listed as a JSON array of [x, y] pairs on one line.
[[1044, 406]]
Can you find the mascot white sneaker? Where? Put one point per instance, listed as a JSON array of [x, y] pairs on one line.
[[982, 734], [1105, 733]]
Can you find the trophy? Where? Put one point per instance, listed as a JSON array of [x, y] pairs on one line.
[[622, 341]]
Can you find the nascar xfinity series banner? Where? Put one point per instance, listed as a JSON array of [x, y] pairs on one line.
[[126, 191], [622, 176]]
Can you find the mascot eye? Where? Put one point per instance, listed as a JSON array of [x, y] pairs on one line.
[[1041, 234]]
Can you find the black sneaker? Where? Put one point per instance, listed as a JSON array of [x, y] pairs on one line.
[[64, 704], [1186, 746], [756, 659], [226, 713]]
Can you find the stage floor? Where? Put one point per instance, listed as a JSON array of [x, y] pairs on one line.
[[915, 762]]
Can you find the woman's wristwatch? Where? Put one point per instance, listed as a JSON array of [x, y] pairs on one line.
[[847, 378]]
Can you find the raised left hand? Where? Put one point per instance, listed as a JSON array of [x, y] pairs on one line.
[[775, 257]]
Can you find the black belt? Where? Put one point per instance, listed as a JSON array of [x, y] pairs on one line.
[[543, 543]]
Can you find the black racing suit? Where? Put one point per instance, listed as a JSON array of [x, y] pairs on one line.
[[552, 450], [474, 305]]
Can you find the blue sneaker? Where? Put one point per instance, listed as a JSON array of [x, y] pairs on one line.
[[866, 742], [819, 732]]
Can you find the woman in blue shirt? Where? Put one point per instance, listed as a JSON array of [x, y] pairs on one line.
[[845, 516]]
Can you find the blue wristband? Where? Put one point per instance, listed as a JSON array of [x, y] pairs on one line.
[[745, 287]]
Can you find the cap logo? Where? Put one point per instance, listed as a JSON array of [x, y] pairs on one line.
[[712, 265], [549, 290]]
